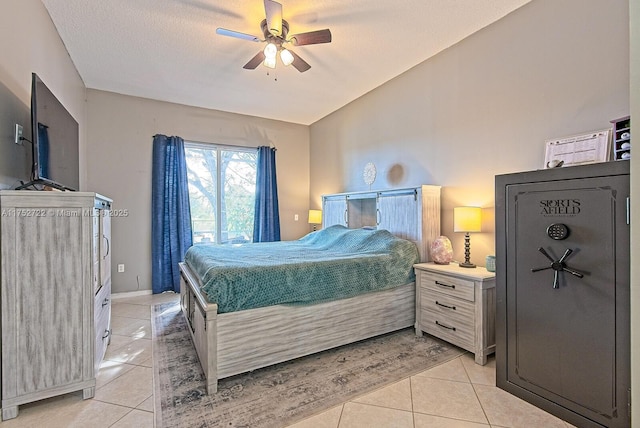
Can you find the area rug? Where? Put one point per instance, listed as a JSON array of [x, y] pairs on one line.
[[282, 394]]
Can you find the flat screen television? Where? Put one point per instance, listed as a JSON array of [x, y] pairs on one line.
[[55, 138]]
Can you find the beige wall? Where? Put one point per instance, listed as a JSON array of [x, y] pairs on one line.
[[634, 7], [119, 164], [30, 43], [115, 154], [482, 107]]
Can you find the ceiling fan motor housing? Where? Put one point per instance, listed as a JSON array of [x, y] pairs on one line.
[[278, 40]]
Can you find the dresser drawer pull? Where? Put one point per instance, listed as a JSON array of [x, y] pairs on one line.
[[453, 287], [107, 333], [105, 302], [446, 326], [445, 306]]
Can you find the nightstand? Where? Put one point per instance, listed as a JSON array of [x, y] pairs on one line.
[[457, 305]]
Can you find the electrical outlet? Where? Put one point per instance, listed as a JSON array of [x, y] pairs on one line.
[[121, 267], [17, 136]]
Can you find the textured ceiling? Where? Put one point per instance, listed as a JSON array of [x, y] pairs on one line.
[[168, 50]]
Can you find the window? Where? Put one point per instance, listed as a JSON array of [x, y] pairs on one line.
[[222, 184]]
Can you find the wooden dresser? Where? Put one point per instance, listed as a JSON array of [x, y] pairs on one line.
[[457, 305], [55, 293]]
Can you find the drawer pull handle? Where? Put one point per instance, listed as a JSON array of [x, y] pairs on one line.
[[105, 302], [445, 306], [453, 287], [107, 333], [446, 326]]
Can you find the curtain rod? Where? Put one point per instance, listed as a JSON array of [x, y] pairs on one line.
[[207, 143]]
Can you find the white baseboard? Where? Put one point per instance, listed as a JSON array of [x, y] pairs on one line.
[[126, 294]]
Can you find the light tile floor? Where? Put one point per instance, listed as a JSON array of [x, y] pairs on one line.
[[458, 393]]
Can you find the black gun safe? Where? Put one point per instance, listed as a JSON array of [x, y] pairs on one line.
[[562, 291]]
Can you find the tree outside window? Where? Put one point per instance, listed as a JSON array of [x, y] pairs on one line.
[[222, 182]]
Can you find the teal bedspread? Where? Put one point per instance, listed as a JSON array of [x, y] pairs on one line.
[[330, 264]]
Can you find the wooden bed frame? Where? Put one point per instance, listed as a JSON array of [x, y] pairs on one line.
[[237, 342]]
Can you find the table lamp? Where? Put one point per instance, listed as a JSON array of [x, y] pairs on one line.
[[467, 219], [315, 218]]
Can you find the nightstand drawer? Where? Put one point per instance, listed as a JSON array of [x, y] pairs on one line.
[[456, 330], [452, 286], [448, 308]]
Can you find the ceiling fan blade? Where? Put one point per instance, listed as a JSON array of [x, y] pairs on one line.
[[273, 11], [300, 64], [255, 61], [237, 35], [311, 38]]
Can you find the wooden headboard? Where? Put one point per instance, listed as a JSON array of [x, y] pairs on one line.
[[411, 213]]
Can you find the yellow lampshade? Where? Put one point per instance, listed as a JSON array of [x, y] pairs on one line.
[[467, 219], [315, 217]]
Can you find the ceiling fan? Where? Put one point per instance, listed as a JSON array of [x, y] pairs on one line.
[[276, 34]]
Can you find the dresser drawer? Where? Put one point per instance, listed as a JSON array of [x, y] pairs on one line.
[[96, 276], [103, 335], [102, 322], [102, 300], [452, 286]]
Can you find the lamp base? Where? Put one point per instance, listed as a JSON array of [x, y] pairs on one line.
[[467, 253]]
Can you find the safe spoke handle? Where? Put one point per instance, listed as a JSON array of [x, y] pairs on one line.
[[565, 255], [558, 266], [543, 251], [574, 272]]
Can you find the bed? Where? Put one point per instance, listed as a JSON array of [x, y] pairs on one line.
[[239, 329]]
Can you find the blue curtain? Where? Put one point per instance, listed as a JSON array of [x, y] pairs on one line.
[[170, 213], [266, 219]]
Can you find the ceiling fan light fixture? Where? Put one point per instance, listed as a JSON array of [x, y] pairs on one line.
[[276, 34], [286, 57], [270, 62], [270, 51]]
